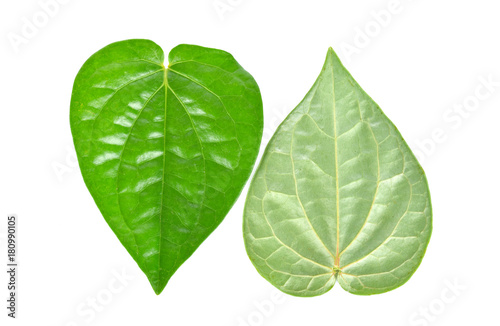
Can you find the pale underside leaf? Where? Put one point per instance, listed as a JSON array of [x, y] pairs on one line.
[[338, 196]]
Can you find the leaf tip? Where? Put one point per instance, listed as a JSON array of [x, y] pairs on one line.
[[158, 285], [332, 55], [158, 288]]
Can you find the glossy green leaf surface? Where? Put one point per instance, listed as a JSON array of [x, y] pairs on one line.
[[164, 150], [338, 196]]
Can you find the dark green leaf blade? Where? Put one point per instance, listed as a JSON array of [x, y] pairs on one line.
[[338, 196], [164, 151]]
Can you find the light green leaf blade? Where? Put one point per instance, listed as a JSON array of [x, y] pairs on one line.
[[338, 196], [164, 151]]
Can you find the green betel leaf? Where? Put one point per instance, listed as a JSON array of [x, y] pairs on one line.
[[338, 196], [164, 151]]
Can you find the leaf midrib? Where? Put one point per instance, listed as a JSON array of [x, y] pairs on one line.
[[337, 255], [168, 87], [165, 84]]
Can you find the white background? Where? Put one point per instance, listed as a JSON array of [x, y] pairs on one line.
[[424, 63]]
